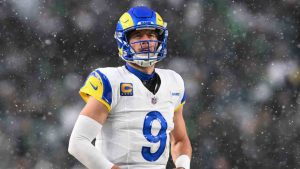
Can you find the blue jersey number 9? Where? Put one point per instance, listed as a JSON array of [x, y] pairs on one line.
[[160, 137]]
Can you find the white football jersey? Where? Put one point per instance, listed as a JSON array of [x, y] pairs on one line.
[[136, 133]]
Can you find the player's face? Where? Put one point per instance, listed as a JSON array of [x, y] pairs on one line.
[[143, 35]]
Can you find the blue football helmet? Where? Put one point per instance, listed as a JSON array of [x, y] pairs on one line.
[[138, 18]]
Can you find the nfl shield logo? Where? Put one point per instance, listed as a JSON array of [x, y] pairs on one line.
[[154, 100]]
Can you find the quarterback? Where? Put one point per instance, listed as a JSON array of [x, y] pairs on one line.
[[134, 111]]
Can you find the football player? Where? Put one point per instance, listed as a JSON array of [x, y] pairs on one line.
[[134, 111]]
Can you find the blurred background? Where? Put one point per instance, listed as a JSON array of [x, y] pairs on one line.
[[239, 59]]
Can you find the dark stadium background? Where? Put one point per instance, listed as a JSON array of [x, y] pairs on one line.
[[239, 60]]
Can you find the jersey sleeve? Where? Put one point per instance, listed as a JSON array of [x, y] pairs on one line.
[[182, 93], [98, 86], [181, 102]]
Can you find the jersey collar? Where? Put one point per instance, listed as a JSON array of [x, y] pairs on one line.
[[141, 75]]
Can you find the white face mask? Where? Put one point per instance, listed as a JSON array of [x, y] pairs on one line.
[[146, 63], [144, 56]]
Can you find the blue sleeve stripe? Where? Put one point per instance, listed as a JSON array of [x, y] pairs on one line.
[[107, 91], [183, 97]]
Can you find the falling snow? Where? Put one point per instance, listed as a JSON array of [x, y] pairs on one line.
[[239, 60]]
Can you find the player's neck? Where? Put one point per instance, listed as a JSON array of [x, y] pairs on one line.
[[148, 70]]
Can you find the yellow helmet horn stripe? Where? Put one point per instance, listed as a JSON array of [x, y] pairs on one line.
[[126, 21], [159, 20]]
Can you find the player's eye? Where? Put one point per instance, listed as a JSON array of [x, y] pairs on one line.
[[152, 34], [135, 36]]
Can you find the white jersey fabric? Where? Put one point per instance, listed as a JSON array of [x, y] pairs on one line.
[[136, 132]]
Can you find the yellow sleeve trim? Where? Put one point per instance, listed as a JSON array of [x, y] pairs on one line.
[[179, 106], [85, 97], [93, 87]]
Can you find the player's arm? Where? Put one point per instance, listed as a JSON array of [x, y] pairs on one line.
[[96, 92], [181, 149], [87, 126]]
